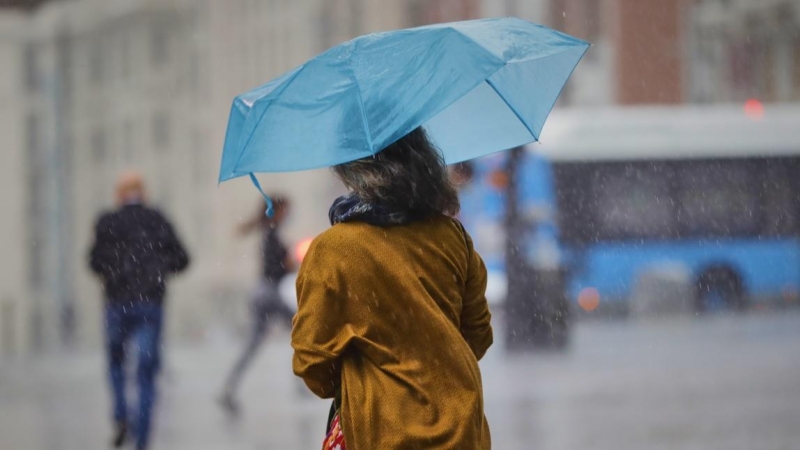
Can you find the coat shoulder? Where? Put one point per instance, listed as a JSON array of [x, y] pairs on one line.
[[342, 237], [355, 237], [105, 219]]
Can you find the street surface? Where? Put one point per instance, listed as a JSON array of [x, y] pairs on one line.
[[725, 382]]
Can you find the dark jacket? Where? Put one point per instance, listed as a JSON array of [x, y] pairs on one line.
[[274, 255], [135, 249]]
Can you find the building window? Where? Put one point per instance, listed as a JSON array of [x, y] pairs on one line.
[[325, 28], [202, 180], [96, 62], [592, 20], [99, 146], [558, 14], [796, 71], [164, 196], [194, 72], [356, 11], [8, 329], [35, 210], [30, 67], [127, 141], [159, 45], [124, 55], [162, 132]]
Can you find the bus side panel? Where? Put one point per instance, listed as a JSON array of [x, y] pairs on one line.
[[769, 268]]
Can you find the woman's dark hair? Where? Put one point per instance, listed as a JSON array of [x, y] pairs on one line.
[[409, 175]]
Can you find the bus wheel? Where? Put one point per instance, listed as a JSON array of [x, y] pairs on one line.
[[719, 287]]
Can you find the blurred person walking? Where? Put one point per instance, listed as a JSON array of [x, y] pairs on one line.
[[134, 252], [392, 317], [266, 303]]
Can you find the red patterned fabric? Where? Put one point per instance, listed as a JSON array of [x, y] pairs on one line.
[[335, 438]]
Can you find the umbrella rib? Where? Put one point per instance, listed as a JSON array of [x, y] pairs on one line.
[[502, 97], [261, 117], [514, 110], [364, 121], [586, 49], [505, 64]]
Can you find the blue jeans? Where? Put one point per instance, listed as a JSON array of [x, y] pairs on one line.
[[142, 319]]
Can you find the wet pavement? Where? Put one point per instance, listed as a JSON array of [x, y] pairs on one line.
[[727, 382]]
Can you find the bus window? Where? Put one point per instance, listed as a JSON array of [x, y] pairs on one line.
[[633, 201], [718, 198], [780, 205], [615, 201]]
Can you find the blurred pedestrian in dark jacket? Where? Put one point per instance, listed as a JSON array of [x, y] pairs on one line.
[[134, 252], [266, 303]]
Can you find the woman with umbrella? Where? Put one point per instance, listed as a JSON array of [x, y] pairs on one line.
[[392, 317]]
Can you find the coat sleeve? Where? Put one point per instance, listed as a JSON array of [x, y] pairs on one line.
[[475, 316], [102, 250], [176, 259], [320, 332]]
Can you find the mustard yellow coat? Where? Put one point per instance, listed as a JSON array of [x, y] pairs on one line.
[[396, 316]]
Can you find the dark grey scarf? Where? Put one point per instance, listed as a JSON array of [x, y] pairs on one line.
[[350, 208]]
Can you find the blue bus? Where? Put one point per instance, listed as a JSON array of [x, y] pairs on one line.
[[705, 199]]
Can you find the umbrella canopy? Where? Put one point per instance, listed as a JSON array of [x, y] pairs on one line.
[[476, 86]]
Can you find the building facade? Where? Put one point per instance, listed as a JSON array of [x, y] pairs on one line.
[[741, 49], [16, 300], [635, 56], [678, 51], [91, 88]]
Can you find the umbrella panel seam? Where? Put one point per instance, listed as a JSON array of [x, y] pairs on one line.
[[261, 117], [512, 108], [451, 31], [362, 109], [566, 80]]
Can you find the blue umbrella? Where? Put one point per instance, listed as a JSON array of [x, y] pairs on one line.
[[477, 87]]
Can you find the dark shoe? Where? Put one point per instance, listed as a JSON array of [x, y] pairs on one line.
[[120, 434], [229, 404]]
